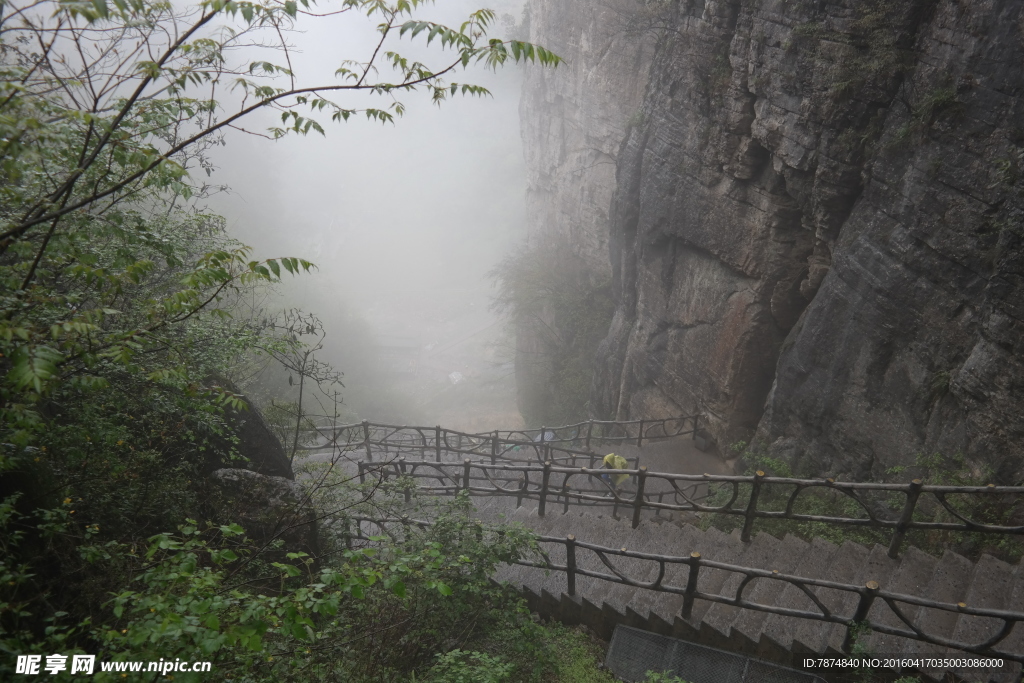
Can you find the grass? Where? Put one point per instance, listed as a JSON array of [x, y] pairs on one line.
[[578, 656]]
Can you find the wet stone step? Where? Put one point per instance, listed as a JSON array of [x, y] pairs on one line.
[[777, 631], [1015, 641], [949, 583], [718, 547], [642, 539], [762, 551], [878, 568], [675, 541], [910, 578], [790, 559], [991, 586], [846, 563]]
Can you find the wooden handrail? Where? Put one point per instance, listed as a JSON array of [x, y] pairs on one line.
[[866, 594], [485, 479]]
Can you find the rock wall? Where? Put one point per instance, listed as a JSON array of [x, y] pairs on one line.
[[816, 229], [574, 119]]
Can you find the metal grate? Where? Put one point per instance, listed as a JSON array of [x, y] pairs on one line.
[[633, 653]]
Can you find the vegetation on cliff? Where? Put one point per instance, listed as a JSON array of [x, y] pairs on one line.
[[551, 298]]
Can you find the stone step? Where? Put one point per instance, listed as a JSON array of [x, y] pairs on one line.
[[777, 632], [949, 579], [645, 538], [678, 542], [613, 534], [763, 551], [718, 547], [749, 624], [558, 526], [949, 583], [911, 578], [991, 583], [812, 637], [1015, 641], [877, 567]]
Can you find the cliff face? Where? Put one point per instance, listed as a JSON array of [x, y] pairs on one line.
[[573, 121], [816, 230]]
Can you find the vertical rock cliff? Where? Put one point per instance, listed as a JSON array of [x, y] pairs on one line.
[[815, 227], [573, 121]]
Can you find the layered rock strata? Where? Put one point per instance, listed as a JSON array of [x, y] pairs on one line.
[[816, 225]]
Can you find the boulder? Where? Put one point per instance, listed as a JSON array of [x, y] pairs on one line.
[[268, 508]]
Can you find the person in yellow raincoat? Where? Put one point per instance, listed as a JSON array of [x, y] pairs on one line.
[[615, 462]]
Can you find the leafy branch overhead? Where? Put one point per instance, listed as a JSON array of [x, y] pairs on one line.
[[141, 83], [127, 314], [107, 107]]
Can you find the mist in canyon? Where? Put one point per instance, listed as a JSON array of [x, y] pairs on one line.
[[404, 222]]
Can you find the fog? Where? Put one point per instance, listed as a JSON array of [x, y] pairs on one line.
[[404, 222]]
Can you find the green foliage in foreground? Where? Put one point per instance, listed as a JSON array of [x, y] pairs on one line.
[[123, 306]]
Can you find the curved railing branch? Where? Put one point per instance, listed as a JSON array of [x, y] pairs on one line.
[[865, 594]]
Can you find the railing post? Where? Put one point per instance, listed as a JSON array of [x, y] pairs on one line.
[[348, 533], [522, 489], [913, 493], [748, 523], [494, 447], [638, 501], [590, 430], [366, 440], [362, 472], [544, 488], [405, 484], [565, 494], [691, 584], [570, 563], [437, 441], [640, 435], [866, 598], [465, 474]]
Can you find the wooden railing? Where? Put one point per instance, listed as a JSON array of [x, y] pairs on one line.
[[1001, 623], [744, 496], [566, 444]]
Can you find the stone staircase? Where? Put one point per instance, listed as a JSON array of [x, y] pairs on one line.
[[988, 583]]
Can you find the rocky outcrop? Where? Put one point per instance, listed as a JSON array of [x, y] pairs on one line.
[[258, 444], [268, 508], [249, 443], [816, 230], [915, 341]]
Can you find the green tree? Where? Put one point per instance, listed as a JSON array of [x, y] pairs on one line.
[[104, 107], [121, 297]]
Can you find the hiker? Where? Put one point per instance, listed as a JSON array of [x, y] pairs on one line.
[[615, 462]]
